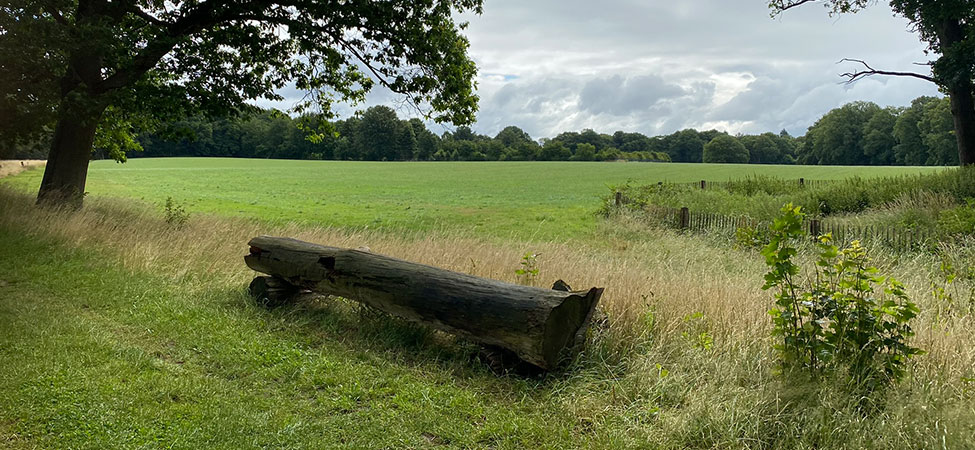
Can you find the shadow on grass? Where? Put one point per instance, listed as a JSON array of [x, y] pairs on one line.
[[319, 320]]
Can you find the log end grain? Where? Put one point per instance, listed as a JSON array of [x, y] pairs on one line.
[[567, 324]]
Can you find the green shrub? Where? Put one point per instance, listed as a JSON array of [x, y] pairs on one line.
[[698, 331], [748, 237], [958, 220], [762, 184], [528, 272], [950, 297], [176, 215], [845, 319]]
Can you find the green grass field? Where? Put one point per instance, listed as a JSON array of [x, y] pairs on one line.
[[519, 200], [121, 330], [95, 357]]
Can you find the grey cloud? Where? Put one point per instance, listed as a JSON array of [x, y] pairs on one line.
[[685, 44], [701, 93], [764, 96], [620, 96], [655, 67]]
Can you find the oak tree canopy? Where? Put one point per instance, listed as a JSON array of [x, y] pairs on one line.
[[97, 68]]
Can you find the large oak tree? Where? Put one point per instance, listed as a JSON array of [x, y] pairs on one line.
[[97, 68], [948, 27]]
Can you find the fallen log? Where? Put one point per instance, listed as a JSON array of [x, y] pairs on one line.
[[540, 325]]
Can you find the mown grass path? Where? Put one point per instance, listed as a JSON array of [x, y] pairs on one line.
[[520, 200]]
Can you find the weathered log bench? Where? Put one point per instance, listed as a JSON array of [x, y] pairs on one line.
[[541, 326]]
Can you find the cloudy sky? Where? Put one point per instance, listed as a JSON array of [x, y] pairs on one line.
[[659, 66]]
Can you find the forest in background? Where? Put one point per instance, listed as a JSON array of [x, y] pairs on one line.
[[858, 133]]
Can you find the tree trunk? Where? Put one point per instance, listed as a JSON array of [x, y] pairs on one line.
[[539, 325], [963, 111], [953, 69], [67, 163], [79, 111]]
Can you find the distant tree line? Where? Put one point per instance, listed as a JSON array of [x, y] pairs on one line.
[[859, 133], [379, 135], [862, 133]]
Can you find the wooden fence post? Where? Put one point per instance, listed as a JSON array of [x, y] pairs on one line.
[[802, 182], [703, 184], [619, 198], [685, 218], [814, 228]]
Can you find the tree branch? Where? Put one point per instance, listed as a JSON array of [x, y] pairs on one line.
[[53, 10], [215, 12], [855, 76], [336, 37], [204, 15], [344, 44], [782, 5], [794, 4], [147, 17]]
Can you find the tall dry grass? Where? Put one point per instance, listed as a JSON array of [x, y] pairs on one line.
[[651, 353], [671, 275], [675, 276], [14, 166]]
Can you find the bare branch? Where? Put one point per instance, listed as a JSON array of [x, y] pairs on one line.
[[855, 76], [782, 5]]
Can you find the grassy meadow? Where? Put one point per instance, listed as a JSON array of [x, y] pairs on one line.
[[120, 330], [512, 200]]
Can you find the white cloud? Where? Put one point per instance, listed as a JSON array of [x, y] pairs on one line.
[[656, 67]]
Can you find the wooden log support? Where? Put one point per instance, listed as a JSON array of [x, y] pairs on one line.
[[540, 325], [272, 291]]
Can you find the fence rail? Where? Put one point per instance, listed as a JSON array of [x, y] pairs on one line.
[[706, 184]]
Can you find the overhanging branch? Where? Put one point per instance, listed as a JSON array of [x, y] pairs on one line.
[[780, 5], [209, 13], [349, 47], [149, 18], [56, 15], [857, 75], [206, 14]]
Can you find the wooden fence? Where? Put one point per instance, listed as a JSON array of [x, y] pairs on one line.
[[900, 238], [705, 184]]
